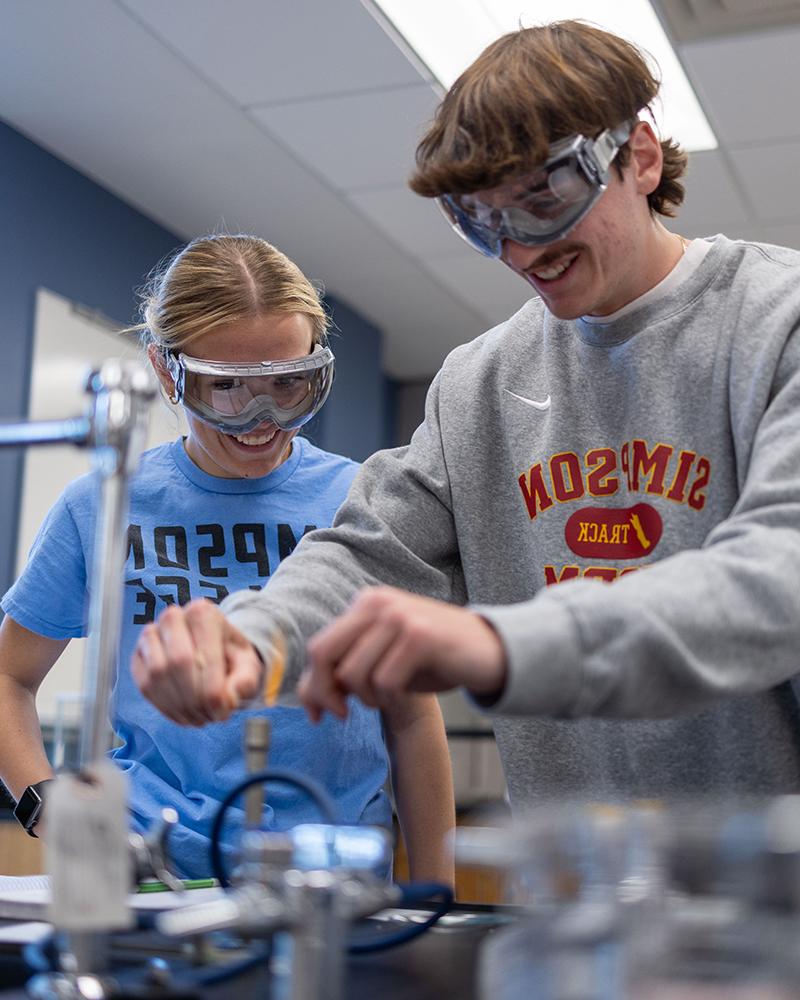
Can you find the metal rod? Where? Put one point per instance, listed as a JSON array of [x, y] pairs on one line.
[[75, 430], [122, 395], [115, 429], [256, 748], [105, 610]]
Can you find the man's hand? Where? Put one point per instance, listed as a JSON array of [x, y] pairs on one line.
[[194, 666], [390, 642]]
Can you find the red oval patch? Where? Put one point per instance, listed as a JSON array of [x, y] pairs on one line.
[[614, 532]]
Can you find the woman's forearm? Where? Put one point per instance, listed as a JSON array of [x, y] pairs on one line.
[[22, 758], [25, 659], [423, 788]]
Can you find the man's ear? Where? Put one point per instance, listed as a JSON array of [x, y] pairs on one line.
[[155, 356], [646, 158]]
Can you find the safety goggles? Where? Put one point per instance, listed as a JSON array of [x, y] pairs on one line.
[[235, 398], [542, 206]]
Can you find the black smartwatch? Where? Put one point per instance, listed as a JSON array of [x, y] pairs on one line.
[[29, 808]]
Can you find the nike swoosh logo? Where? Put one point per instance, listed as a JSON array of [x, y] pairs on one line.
[[535, 403]]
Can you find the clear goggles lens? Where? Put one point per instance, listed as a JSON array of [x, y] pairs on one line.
[[542, 206], [236, 398]]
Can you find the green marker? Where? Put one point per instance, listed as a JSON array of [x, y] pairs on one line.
[[189, 883]]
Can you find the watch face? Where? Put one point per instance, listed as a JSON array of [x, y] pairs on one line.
[[29, 806]]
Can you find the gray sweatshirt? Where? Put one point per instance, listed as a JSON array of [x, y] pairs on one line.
[[634, 538]]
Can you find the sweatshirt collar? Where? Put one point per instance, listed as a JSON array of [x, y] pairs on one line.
[[649, 308]]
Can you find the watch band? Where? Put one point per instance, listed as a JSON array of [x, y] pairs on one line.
[[29, 808]]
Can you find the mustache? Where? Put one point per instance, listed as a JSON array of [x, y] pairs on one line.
[[547, 259], [553, 258]]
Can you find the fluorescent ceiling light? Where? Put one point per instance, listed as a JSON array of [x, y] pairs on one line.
[[447, 35]]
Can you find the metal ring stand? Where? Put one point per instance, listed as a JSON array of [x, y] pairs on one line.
[[114, 428]]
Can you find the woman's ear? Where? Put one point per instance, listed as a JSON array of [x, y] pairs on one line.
[[155, 356], [647, 158]]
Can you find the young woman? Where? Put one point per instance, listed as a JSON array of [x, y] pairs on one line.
[[236, 335]]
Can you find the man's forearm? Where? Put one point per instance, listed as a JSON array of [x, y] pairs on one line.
[[395, 528]]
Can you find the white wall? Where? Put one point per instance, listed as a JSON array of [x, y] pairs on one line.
[[68, 342]]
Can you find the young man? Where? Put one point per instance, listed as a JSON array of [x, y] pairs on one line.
[[595, 530]]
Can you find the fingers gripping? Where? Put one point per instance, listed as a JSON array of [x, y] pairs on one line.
[[369, 651], [193, 665], [245, 671], [205, 624], [157, 677]]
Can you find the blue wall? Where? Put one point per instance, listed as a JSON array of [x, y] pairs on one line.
[[62, 231], [354, 420]]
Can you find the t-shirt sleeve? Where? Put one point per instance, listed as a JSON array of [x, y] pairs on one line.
[[50, 596]]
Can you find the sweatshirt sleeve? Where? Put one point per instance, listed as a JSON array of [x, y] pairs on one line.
[[723, 619], [395, 527]]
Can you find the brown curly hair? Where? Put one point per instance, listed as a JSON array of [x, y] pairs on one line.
[[529, 89]]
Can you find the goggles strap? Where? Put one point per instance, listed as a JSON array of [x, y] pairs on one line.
[[176, 370], [606, 146], [180, 383]]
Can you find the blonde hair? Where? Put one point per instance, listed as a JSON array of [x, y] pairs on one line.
[[529, 89], [218, 279]]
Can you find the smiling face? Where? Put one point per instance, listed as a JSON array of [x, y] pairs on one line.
[[593, 269], [615, 254], [264, 337]]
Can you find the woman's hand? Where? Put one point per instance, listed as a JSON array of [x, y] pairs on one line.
[[194, 666]]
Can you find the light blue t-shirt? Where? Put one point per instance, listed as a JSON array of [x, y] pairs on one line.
[[195, 535]]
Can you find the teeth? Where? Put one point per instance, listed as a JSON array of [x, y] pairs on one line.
[[548, 273], [255, 439]]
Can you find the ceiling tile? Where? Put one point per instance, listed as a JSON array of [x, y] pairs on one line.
[[166, 132], [486, 285], [769, 174], [712, 197], [414, 223], [359, 141], [194, 163], [259, 52], [747, 84]]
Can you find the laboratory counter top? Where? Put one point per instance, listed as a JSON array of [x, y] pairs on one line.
[[443, 962]]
